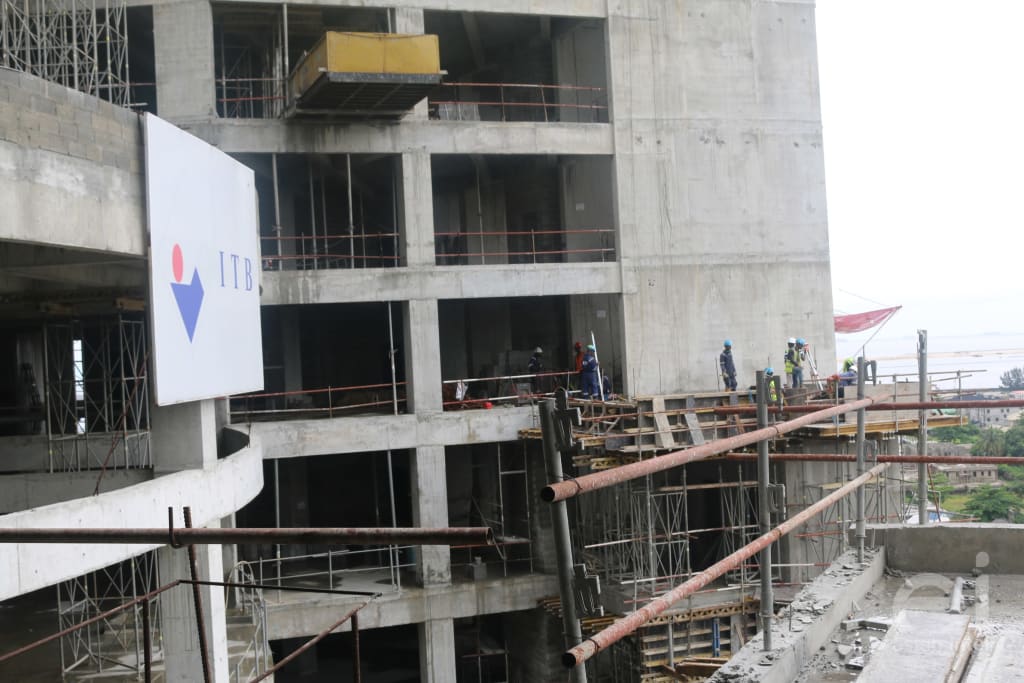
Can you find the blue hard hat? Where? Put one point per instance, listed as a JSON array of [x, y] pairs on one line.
[[591, 347], [727, 342], [800, 341], [769, 371]]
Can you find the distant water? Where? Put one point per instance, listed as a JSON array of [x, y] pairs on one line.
[[985, 357]]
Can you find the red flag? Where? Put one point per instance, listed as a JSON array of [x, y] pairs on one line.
[[858, 322]]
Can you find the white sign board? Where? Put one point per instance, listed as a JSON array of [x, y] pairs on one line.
[[204, 268]]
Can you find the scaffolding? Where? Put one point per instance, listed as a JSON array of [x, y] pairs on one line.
[[115, 643], [80, 44], [97, 394]]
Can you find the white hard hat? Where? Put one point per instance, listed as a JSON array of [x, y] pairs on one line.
[[538, 350], [791, 340]]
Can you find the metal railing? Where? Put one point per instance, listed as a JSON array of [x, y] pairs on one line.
[[332, 567], [487, 392], [542, 245], [250, 98], [325, 402], [474, 101], [304, 252], [248, 600]]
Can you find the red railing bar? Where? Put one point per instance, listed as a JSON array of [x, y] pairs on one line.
[[521, 104], [522, 85], [586, 231]]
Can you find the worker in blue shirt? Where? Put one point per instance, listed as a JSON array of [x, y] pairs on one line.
[[727, 366], [590, 374]]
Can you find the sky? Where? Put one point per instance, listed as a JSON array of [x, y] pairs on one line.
[[923, 117]]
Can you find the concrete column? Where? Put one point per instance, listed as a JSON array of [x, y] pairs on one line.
[[178, 620], [430, 509], [292, 350], [416, 210], [183, 50], [409, 20], [184, 436], [421, 336], [437, 650]]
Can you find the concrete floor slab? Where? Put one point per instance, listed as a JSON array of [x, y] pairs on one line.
[[920, 646]]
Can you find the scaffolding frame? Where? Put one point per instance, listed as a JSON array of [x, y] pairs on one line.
[[80, 44], [97, 394], [114, 643]]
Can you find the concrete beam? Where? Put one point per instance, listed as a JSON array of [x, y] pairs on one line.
[[282, 287], [363, 433], [307, 615], [433, 137]]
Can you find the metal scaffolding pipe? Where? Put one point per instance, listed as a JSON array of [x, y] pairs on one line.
[[563, 542], [563, 490], [880, 405], [860, 461], [922, 427], [907, 459], [631, 622], [200, 536], [764, 512]]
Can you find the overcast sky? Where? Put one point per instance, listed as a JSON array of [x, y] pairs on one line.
[[923, 113]]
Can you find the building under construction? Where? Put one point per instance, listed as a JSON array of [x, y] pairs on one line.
[[443, 188]]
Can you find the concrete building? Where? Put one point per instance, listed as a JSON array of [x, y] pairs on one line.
[[648, 176]]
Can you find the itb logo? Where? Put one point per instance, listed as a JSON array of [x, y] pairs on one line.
[[188, 296]]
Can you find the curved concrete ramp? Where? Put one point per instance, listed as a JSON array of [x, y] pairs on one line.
[[212, 493]]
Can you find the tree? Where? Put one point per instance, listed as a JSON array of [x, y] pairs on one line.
[[988, 503], [1013, 439], [968, 433], [1012, 379], [992, 442]]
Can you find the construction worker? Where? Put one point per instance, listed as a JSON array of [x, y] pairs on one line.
[[536, 366], [795, 356], [790, 343], [727, 366], [590, 374], [579, 356], [849, 364], [769, 375]]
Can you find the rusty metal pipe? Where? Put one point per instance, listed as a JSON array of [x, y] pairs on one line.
[[197, 600], [357, 666], [309, 643], [147, 644], [631, 622], [201, 536], [563, 490], [92, 620], [935, 459], [887, 405]]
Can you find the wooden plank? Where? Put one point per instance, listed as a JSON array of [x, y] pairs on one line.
[[663, 437], [696, 431]]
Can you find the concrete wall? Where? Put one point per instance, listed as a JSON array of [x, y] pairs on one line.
[[212, 493], [720, 187], [952, 548], [70, 168]]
